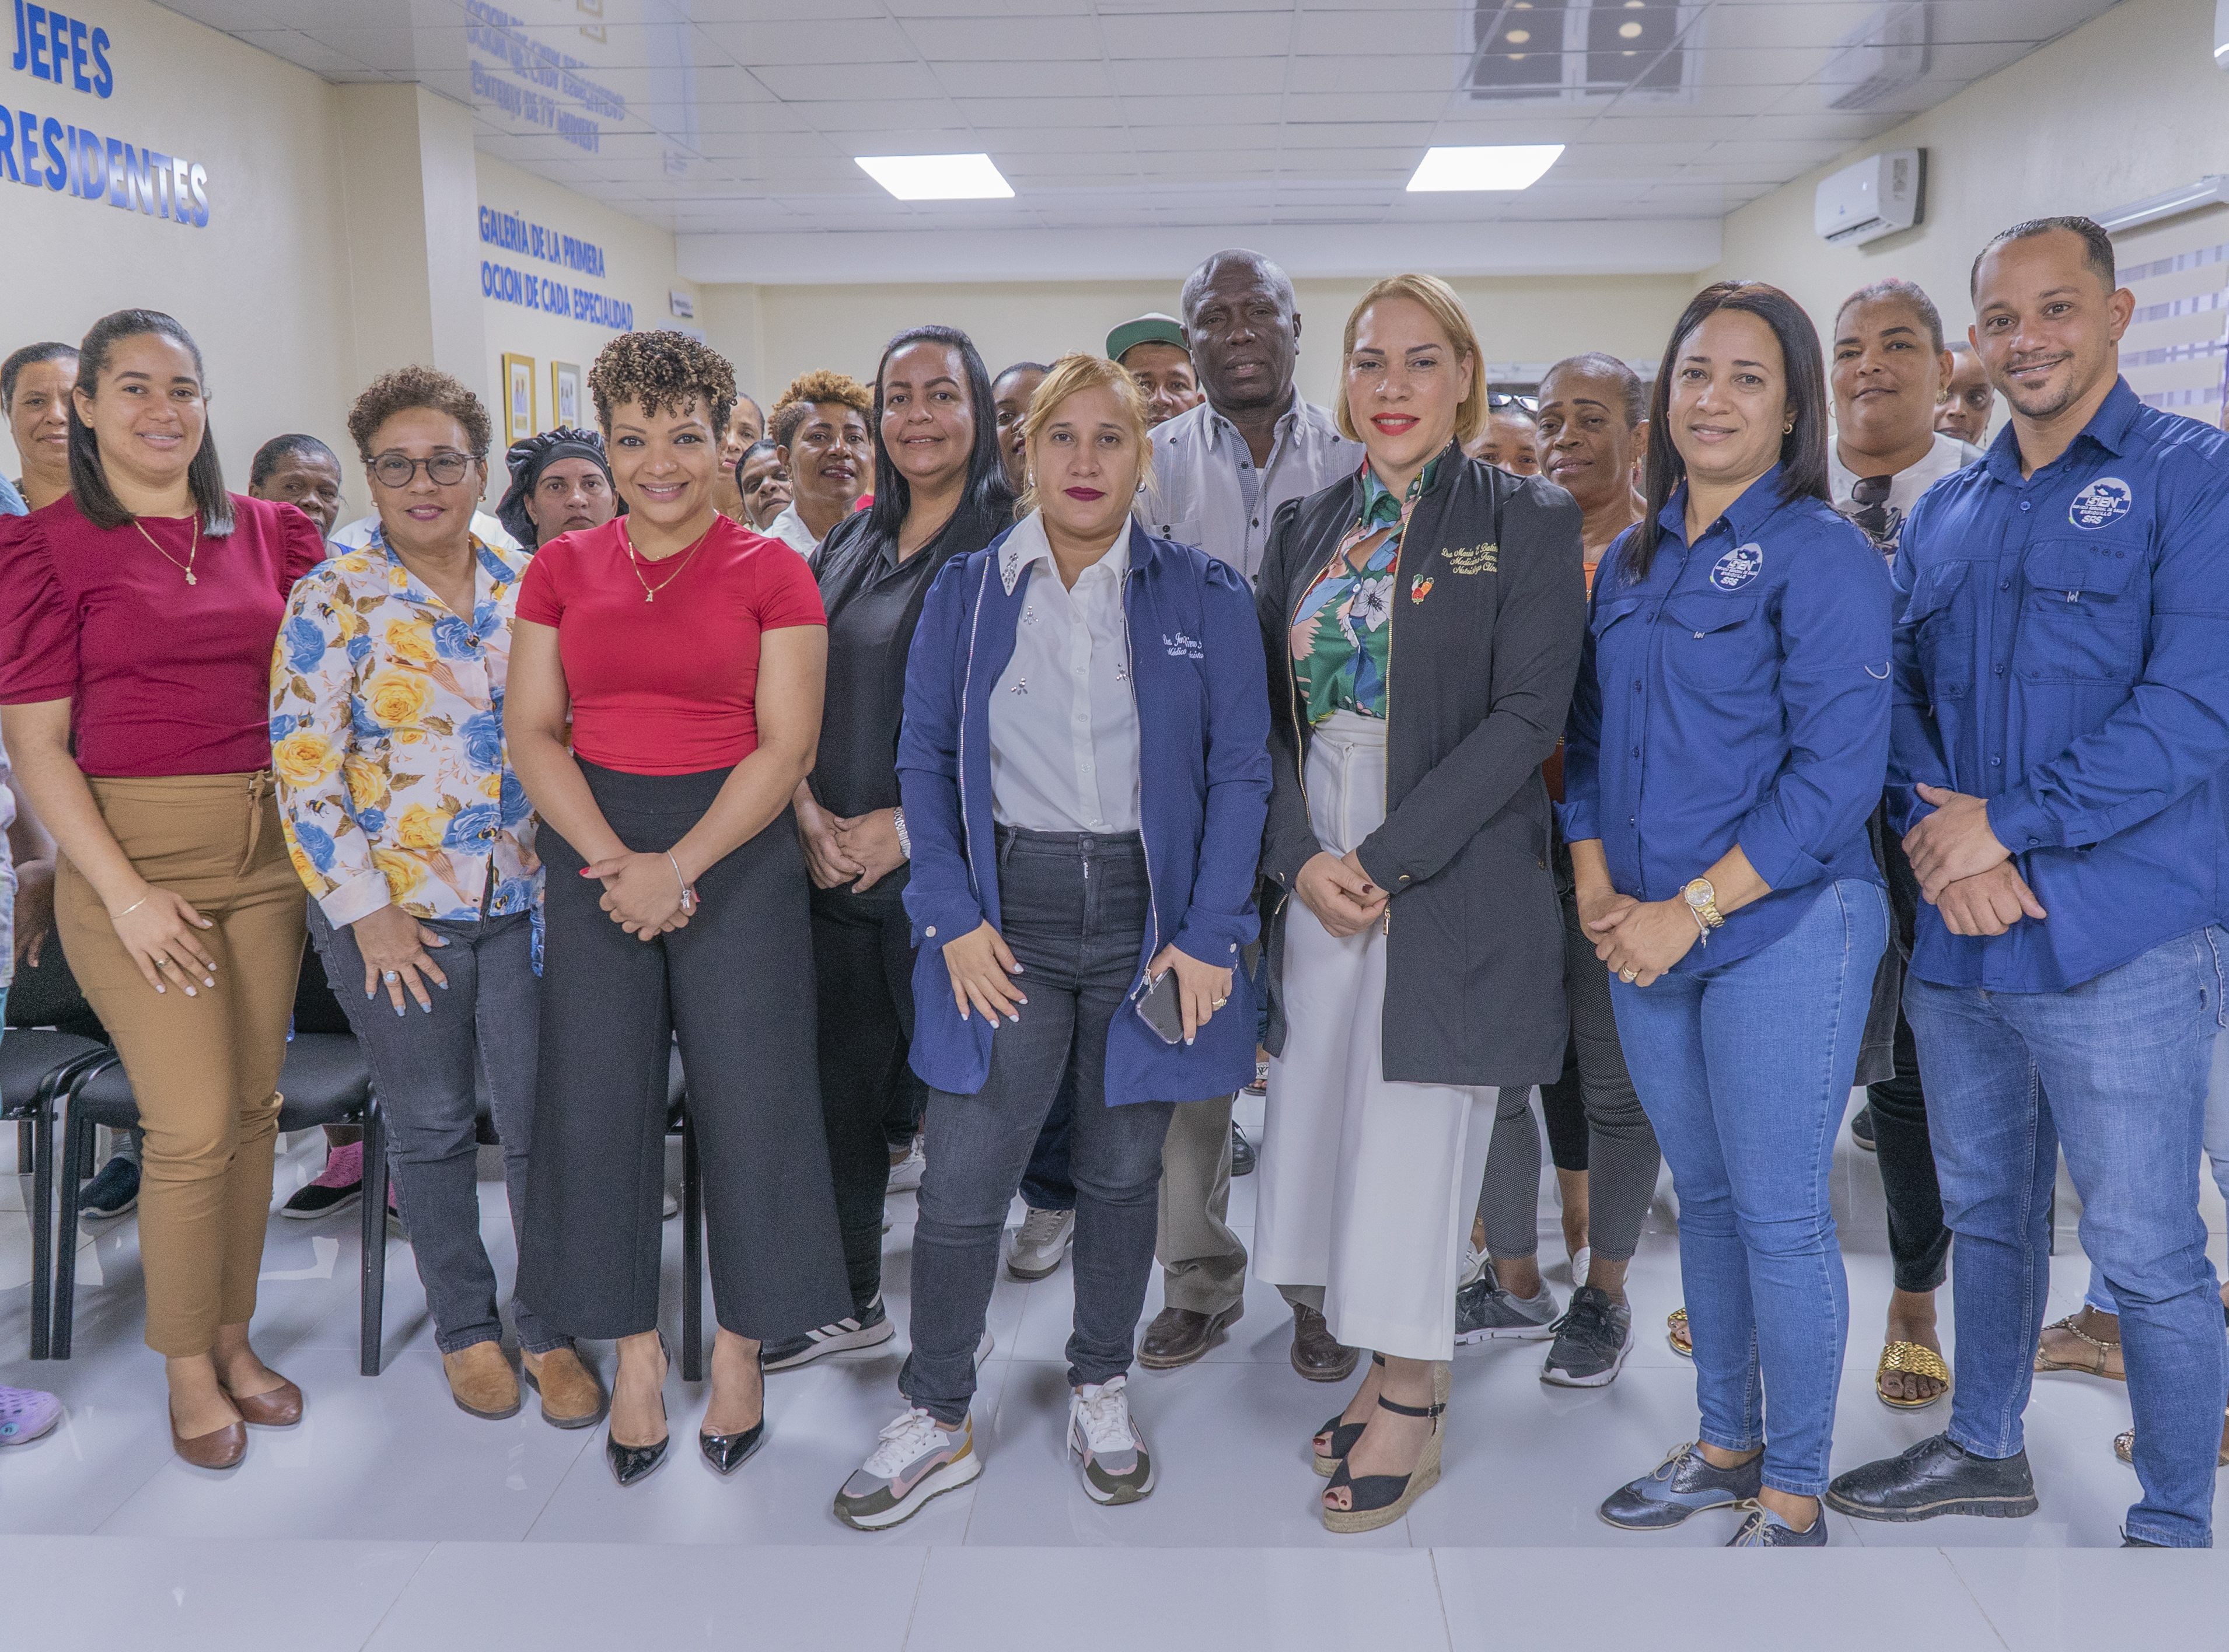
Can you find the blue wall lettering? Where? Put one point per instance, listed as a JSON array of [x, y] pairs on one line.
[[73, 52]]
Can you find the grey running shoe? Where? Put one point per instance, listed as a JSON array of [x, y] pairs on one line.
[[1762, 1529], [1038, 1244], [1683, 1484], [916, 1461], [1592, 1339], [1487, 1313], [864, 1329], [1110, 1453]]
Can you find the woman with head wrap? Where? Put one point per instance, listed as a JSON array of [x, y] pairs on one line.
[[559, 483]]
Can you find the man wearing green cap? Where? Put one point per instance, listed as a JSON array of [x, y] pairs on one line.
[[1152, 347]]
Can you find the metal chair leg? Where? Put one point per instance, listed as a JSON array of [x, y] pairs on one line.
[[372, 1290], [39, 1132], [692, 1255], [25, 1148], [77, 1165]]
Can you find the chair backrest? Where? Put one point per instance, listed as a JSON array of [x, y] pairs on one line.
[[50, 996], [315, 1008]]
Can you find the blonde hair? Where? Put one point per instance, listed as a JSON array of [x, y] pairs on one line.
[[1062, 380], [1439, 301]]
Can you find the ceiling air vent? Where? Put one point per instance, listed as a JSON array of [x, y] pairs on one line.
[[1572, 50]]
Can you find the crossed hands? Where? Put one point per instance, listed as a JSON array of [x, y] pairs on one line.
[[860, 850], [1963, 871]]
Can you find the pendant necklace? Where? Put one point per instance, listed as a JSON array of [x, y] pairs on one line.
[[191, 552], [649, 590]]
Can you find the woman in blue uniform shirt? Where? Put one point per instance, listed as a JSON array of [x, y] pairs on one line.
[[1727, 740]]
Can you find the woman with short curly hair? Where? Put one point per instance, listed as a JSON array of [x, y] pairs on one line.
[[819, 432], [691, 652], [416, 841]]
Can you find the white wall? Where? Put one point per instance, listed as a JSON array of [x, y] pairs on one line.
[[639, 270], [265, 289], [2128, 106], [774, 333]]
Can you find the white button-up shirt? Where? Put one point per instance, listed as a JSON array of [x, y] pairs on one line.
[[1063, 720], [1207, 492]]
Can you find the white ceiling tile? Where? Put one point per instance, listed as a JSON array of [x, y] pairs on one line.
[[1211, 81], [1058, 77], [837, 82]]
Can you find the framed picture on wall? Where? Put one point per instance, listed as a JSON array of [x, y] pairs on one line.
[[518, 421], [565, 393]]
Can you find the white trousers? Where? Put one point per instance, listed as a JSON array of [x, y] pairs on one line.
[[1367, 1188]]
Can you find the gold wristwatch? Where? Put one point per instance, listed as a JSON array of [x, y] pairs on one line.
[[1703, 900]]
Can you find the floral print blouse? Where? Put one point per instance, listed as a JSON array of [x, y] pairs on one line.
[[395, 781], [1341, 635]]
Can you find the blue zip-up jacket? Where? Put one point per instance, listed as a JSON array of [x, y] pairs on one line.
[[1739, 694], [2064, 653], [1203, 793]]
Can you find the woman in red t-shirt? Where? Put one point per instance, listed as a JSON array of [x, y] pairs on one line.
[[691, 653], [136, 617]]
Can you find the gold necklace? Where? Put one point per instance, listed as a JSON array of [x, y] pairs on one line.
[[192, 552], [649, 590]]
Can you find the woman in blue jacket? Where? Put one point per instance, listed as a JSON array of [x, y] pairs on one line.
[[1727, 742], [1085, 774]]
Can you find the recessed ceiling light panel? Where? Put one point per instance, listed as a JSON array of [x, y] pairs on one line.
[[937, 177], [1492, 166]]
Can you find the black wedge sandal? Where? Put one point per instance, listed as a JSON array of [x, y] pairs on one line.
[[1340, 1436], [1381, 1499]]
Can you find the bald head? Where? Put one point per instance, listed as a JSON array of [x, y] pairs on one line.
[[1243, 328]]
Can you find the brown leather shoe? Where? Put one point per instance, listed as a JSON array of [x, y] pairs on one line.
[[1316, 1355], [481, 1382], [572, 1394], [1178, 1335], [221, 1450], [280, 1407]]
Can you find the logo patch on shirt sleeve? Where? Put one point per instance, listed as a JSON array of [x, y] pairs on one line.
[[2107, 499], [1739, 567]]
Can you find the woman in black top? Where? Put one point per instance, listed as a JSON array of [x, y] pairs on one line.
[[939, 492]]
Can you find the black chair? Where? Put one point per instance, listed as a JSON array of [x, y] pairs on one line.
[[692, 1221], [327, 1080], [53, 1035]]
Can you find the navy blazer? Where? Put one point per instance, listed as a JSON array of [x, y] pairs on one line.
[[1203, 793]]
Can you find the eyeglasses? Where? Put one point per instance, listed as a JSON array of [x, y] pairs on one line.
[[443, 469], [1498, 400]]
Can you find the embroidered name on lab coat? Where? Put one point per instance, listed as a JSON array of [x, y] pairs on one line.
[[1474, 559]]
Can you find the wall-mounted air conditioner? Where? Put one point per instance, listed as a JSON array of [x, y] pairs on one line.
[[1879, 196]]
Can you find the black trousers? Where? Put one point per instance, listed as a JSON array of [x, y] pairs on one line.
[[736, 986], [1919, 1243], [863, 957]]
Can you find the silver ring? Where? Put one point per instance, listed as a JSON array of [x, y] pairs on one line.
[[390, 976]]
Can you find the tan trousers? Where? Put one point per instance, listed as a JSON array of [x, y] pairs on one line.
[[205, 1069]]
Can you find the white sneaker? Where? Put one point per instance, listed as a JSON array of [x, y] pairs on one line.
[[1037, 1246], [914, 1461], [1110, 1452], [1579, 1264], [1473, 1264], [905, 1171]]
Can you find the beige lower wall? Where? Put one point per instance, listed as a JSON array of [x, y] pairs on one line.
[[774, 333], [2126, 106]]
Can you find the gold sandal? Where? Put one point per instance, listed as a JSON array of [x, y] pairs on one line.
[[2101, 1352], [2124, 1446], [1914, 1359], [1676, 1333]]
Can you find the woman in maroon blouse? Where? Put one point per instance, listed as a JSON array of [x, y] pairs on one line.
[[137, 618]]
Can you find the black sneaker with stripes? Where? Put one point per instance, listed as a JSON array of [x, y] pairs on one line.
[[869, 1325]]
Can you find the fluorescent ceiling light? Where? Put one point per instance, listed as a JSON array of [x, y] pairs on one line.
[[1497, 166], [937, 177]]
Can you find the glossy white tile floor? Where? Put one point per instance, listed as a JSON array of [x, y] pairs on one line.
[[389, 1519]]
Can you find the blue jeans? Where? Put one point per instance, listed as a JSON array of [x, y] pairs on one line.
[[2113, 1070], [2100, 1293], [1745, 1071]]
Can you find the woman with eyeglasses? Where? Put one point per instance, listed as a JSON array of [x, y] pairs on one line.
[[137, 618], [1727, 742], [1509, 440], [416, 842]]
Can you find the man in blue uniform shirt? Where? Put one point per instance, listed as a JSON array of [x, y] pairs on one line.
[[2060, 736]]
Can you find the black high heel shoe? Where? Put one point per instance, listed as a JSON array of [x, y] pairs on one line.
[[1343, 1437], [633, 1463], [1377, 1500], [729, 1452]]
